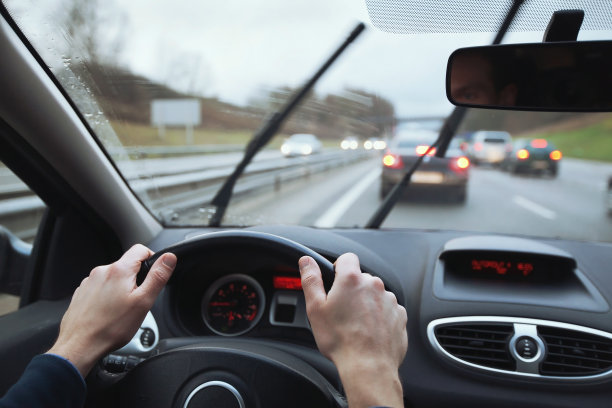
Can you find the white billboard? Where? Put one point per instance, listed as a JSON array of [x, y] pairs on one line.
[[175, 112]]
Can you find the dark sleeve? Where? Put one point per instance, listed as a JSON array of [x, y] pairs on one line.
[[48, 381]]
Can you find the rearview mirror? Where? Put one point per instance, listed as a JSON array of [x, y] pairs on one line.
[[565, 76]]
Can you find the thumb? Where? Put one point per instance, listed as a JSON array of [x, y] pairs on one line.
[[312, 283], [158, 276]]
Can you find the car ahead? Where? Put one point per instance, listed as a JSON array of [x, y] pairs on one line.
[[509, 297], [349, 143], [301, 144], [533, 156], [447, 176], [489, 147]]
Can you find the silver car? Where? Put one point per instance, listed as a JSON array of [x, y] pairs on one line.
[[490, 147]]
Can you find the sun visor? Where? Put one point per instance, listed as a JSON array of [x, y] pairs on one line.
[[467, 16]]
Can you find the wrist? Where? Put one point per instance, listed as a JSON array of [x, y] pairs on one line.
[[82, 359], [370, 383]]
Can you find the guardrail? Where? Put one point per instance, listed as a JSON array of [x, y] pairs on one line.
[[165, 151], [184, 189]]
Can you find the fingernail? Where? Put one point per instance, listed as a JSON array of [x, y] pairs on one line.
[[169, 260], [304, 262]]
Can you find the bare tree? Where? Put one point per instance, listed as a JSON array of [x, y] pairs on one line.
[[94, 33]]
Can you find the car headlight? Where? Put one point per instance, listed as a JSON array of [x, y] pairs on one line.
[[380, 145], [285, 149], [306, 150]]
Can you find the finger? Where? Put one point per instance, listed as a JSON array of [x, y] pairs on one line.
[[158, 276], [134, 256], [312, 282], [347, 267]]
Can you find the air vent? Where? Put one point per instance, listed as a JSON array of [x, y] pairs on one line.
[[481, 344], [572, 353]]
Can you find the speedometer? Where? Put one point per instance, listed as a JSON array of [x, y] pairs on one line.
[[233, 305]]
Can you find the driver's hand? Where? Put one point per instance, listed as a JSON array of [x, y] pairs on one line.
[[108, 307], [360, 327]]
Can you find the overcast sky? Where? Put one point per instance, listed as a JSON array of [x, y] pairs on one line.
[[235, 50]]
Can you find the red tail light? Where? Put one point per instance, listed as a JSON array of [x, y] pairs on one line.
[[555, 155], [522, 154], [459, 164], [393, 161], [421, 149], [463, 163]]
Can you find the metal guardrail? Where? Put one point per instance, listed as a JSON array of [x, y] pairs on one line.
[[165, 151], [171, 194]]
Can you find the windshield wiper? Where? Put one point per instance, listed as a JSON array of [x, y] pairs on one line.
[[269, 129], [441, 144]]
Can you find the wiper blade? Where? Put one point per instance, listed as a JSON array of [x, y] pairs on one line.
[[442, 142], [269, 129]]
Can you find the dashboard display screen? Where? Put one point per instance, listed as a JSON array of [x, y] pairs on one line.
[[502, 267], [508, 266], [287, 283]]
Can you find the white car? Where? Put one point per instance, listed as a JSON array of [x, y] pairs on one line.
[[491, 147], [301, 144]]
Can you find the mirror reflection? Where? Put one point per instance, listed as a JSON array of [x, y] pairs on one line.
[[546, 76]]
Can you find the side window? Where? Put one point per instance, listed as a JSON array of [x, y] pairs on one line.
[[20, 214]]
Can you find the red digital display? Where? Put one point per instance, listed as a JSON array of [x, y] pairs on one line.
[[502, 267], [287, 282]]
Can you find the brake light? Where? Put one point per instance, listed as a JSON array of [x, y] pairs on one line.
[[422, 149], [555, 155], [522, 154], [459, 164], [463, 163], [539, 143], [478, 146], [393, 161]]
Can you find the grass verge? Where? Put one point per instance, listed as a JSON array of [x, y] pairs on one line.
[[592, 142]]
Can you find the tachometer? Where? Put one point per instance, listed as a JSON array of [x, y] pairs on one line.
[[233, 305]]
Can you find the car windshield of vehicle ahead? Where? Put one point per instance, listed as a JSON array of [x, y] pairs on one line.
[[175, 91]]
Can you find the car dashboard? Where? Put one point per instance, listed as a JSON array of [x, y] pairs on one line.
[[491, 319]]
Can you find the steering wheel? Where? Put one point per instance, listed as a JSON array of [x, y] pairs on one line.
[[229, 372]]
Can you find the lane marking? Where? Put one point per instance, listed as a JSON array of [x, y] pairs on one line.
[[333, 214], [535, 207]]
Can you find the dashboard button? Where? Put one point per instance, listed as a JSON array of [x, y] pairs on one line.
[[147, 338], [526, 347]]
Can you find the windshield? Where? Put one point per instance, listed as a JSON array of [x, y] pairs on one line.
[[174, 90]]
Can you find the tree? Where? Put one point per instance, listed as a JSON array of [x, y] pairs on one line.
[[95, 34]]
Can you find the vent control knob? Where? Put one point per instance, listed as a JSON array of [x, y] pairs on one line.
[[526, 347]]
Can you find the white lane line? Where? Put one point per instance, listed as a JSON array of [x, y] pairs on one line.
[[333, 214], [535, 208]]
